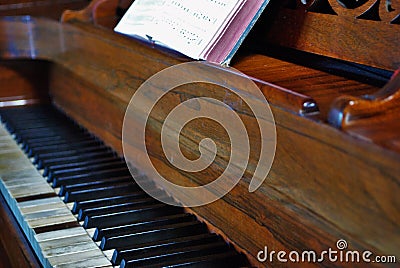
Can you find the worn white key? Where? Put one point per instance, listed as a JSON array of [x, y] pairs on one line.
[[6, 146], [90, 231], [28, 172], [13, 161], [71, 257], [44, 207], [47, 213], [39, 202], [59, 234], [49, 221], [32, 190], [92, 262], [70, 205], [108, 253], [71, 247], [21, 181], [65, 241]]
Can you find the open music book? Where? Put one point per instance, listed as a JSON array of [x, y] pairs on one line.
[[209, 30]]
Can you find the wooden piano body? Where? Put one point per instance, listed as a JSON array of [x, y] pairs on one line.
[[39, 8], [326, 183]]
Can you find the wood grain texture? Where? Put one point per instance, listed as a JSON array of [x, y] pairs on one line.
[[15, 250], [105, 13], [309, 84], [324, 185], [373, 117], [341, 36], [43, 8], [98, 12], [23, 80]]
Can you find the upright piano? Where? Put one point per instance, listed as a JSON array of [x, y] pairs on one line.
[[328, 71]]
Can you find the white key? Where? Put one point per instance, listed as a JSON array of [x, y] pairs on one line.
[[43, 207], [73, 257], [59, 234], [39, 202], [92, 262], [32, 190], [71, 247]]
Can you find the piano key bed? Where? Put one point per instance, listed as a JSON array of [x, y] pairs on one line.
[[79, 206]]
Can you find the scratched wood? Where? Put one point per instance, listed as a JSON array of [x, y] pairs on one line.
[[324, 184]]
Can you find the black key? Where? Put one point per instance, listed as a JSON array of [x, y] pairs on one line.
[[30, 125], [97, 160], [43, 163], [162, 233], [92, 176], [54, 140], [64, 146], [145, 232], [120, 207], [179, 256], [22, 135], [151, 249], [28, 147], [70, 152], [90, 194], [88, 168], [93, 184], [81, 205], [228, 258], [144, 212], [141, 226]]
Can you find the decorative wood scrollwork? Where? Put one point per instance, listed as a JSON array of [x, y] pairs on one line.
[[374, 10]]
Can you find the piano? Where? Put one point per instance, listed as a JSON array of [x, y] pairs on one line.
[[329, 71]]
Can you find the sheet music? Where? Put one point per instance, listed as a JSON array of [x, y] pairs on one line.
[[189, 26]]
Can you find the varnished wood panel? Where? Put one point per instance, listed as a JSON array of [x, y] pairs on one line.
[[43, 8], [322, 87], [327, 28], [23, 80], [15, 250], [373, 117]]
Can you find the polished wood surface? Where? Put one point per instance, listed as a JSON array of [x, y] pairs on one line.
[[104, 13], [320, 87], [365, 32], [23, 82], [373, 117], [43, 8], [324, 184], [98, 12], [15, 250]]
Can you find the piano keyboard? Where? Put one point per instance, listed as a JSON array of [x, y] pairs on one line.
[[79, 206]]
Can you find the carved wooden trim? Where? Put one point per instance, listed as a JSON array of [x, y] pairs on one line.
[[93, 13], [375, 10], [361, 116], [364, 31]]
